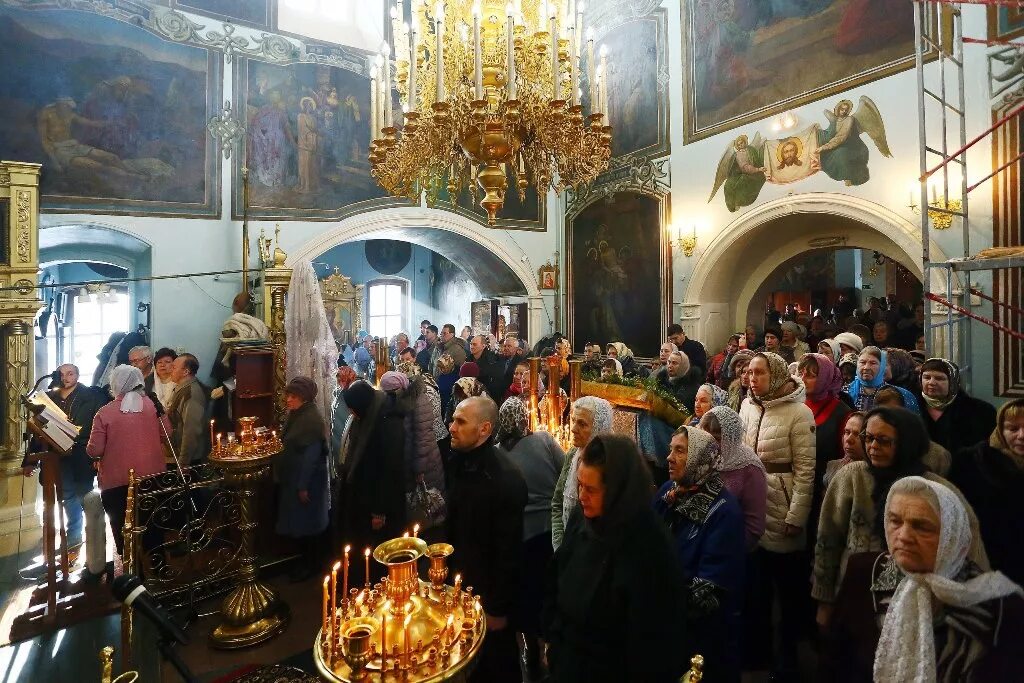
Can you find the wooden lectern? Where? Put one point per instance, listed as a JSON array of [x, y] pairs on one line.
[[53, 493]]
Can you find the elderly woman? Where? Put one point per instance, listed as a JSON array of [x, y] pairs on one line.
[[615, 601], [588, 417], [901, 370], [848, 367], [463, 388], [740, 386], [446, 376], [126, 434], [852, 446], [925, 611], [830, 349], [708, 396], [303, 485], [991, 477], [937, 459], [624, 355], [740, 469], [871, 366], [540, 459], [791, 340], [851, 515], [953, 419], [706, 522], [341, 414]]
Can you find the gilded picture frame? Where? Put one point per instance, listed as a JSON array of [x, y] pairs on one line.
[[755, 86], [547, 276], [343, 303], [634, 222]]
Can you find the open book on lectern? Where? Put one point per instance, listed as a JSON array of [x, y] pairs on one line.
[[53, 421]]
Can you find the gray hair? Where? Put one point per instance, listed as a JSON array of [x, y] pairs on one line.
[[141, 349]]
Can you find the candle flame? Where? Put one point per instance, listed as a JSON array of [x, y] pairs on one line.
[[366, 553], [337, 566], [347, 548], [408, 618]]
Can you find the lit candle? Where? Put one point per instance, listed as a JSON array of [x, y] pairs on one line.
[[344, 587], [439, 49], [591, 71], [327, 621], [448, 629], [478, 59], [211, 431], [415, 530], [573, 70], [510, 48], [359, 603], [366, 556], [458, 584]]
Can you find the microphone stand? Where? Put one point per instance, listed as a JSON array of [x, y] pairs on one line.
[[191, 514]]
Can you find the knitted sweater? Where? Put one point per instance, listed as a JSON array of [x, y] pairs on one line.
[[847, 526]]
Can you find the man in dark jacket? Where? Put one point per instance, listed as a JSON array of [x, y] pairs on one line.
[[492, 369], [487, 496], [693, 349], [80, 404]]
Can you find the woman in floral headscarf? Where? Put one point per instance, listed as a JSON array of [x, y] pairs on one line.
[[463, 389], [446, 374], [708, 396], [624, 355], [706, 524]]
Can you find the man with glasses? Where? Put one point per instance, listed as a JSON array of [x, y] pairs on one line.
[[142, 358]]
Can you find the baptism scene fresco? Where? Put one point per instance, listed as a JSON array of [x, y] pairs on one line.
[[116, 115], [615, 281], [751, 58], [307, 134], [838, 150]]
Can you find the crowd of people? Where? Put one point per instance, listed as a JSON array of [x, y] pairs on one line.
[[838, 491]]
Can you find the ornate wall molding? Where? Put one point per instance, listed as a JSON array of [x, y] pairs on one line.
[[608, 14], [626, 174], [181, 28], [23, 225], [226, 129]]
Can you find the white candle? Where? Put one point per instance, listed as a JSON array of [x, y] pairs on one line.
[[439, 49], [591, 71], [573, 76], [373, 103], [605, 82], [554, 57], [414, 34], [511, 53], [478, 60]]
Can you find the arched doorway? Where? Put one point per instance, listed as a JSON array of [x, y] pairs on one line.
[[744, 254], [491, 263], [76, 321]]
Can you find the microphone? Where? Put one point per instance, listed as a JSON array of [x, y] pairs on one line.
[[55, 378], [131, 591]]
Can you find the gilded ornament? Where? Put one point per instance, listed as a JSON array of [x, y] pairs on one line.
[[23, 225]]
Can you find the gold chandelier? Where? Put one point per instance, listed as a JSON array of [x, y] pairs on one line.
[[488, 89]]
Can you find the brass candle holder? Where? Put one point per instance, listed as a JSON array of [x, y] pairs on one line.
[[253, 611], [401, 629]]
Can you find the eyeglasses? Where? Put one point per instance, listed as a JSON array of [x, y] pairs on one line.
[[883, 441]]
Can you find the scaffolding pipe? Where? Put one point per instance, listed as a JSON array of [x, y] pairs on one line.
[[927, 174]]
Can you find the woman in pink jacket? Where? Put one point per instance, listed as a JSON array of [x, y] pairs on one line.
[[126, 434]]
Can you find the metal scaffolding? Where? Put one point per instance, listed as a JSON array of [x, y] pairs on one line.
[[938, 29]]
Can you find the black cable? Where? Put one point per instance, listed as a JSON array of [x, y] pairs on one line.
[[116, 280]]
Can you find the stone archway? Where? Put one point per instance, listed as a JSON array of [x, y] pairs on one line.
[[427, 227], [726, 276]]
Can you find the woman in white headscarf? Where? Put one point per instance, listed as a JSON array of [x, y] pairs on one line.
[[588, 417], [948, 618], [126, 434], [943, 618]]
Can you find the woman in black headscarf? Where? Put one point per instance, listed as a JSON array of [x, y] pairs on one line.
[[954, 420], [304, 490], [374, 510], [615, 607]]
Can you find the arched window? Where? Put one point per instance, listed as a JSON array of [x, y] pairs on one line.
[[387, 302]]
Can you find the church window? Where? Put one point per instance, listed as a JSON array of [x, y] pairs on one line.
[[386, 300]]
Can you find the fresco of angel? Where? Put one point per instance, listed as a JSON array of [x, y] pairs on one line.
[[741, 170], [837, 150], [844, 156]]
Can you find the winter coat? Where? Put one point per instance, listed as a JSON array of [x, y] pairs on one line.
[[539, 457], [749, 486], [492, 373], [964, 423], [187, 413], [993, 484], [486, 499], [558, 500], [423, 458], [607, 597], [781, 432], [302, 466], [696, 354]]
